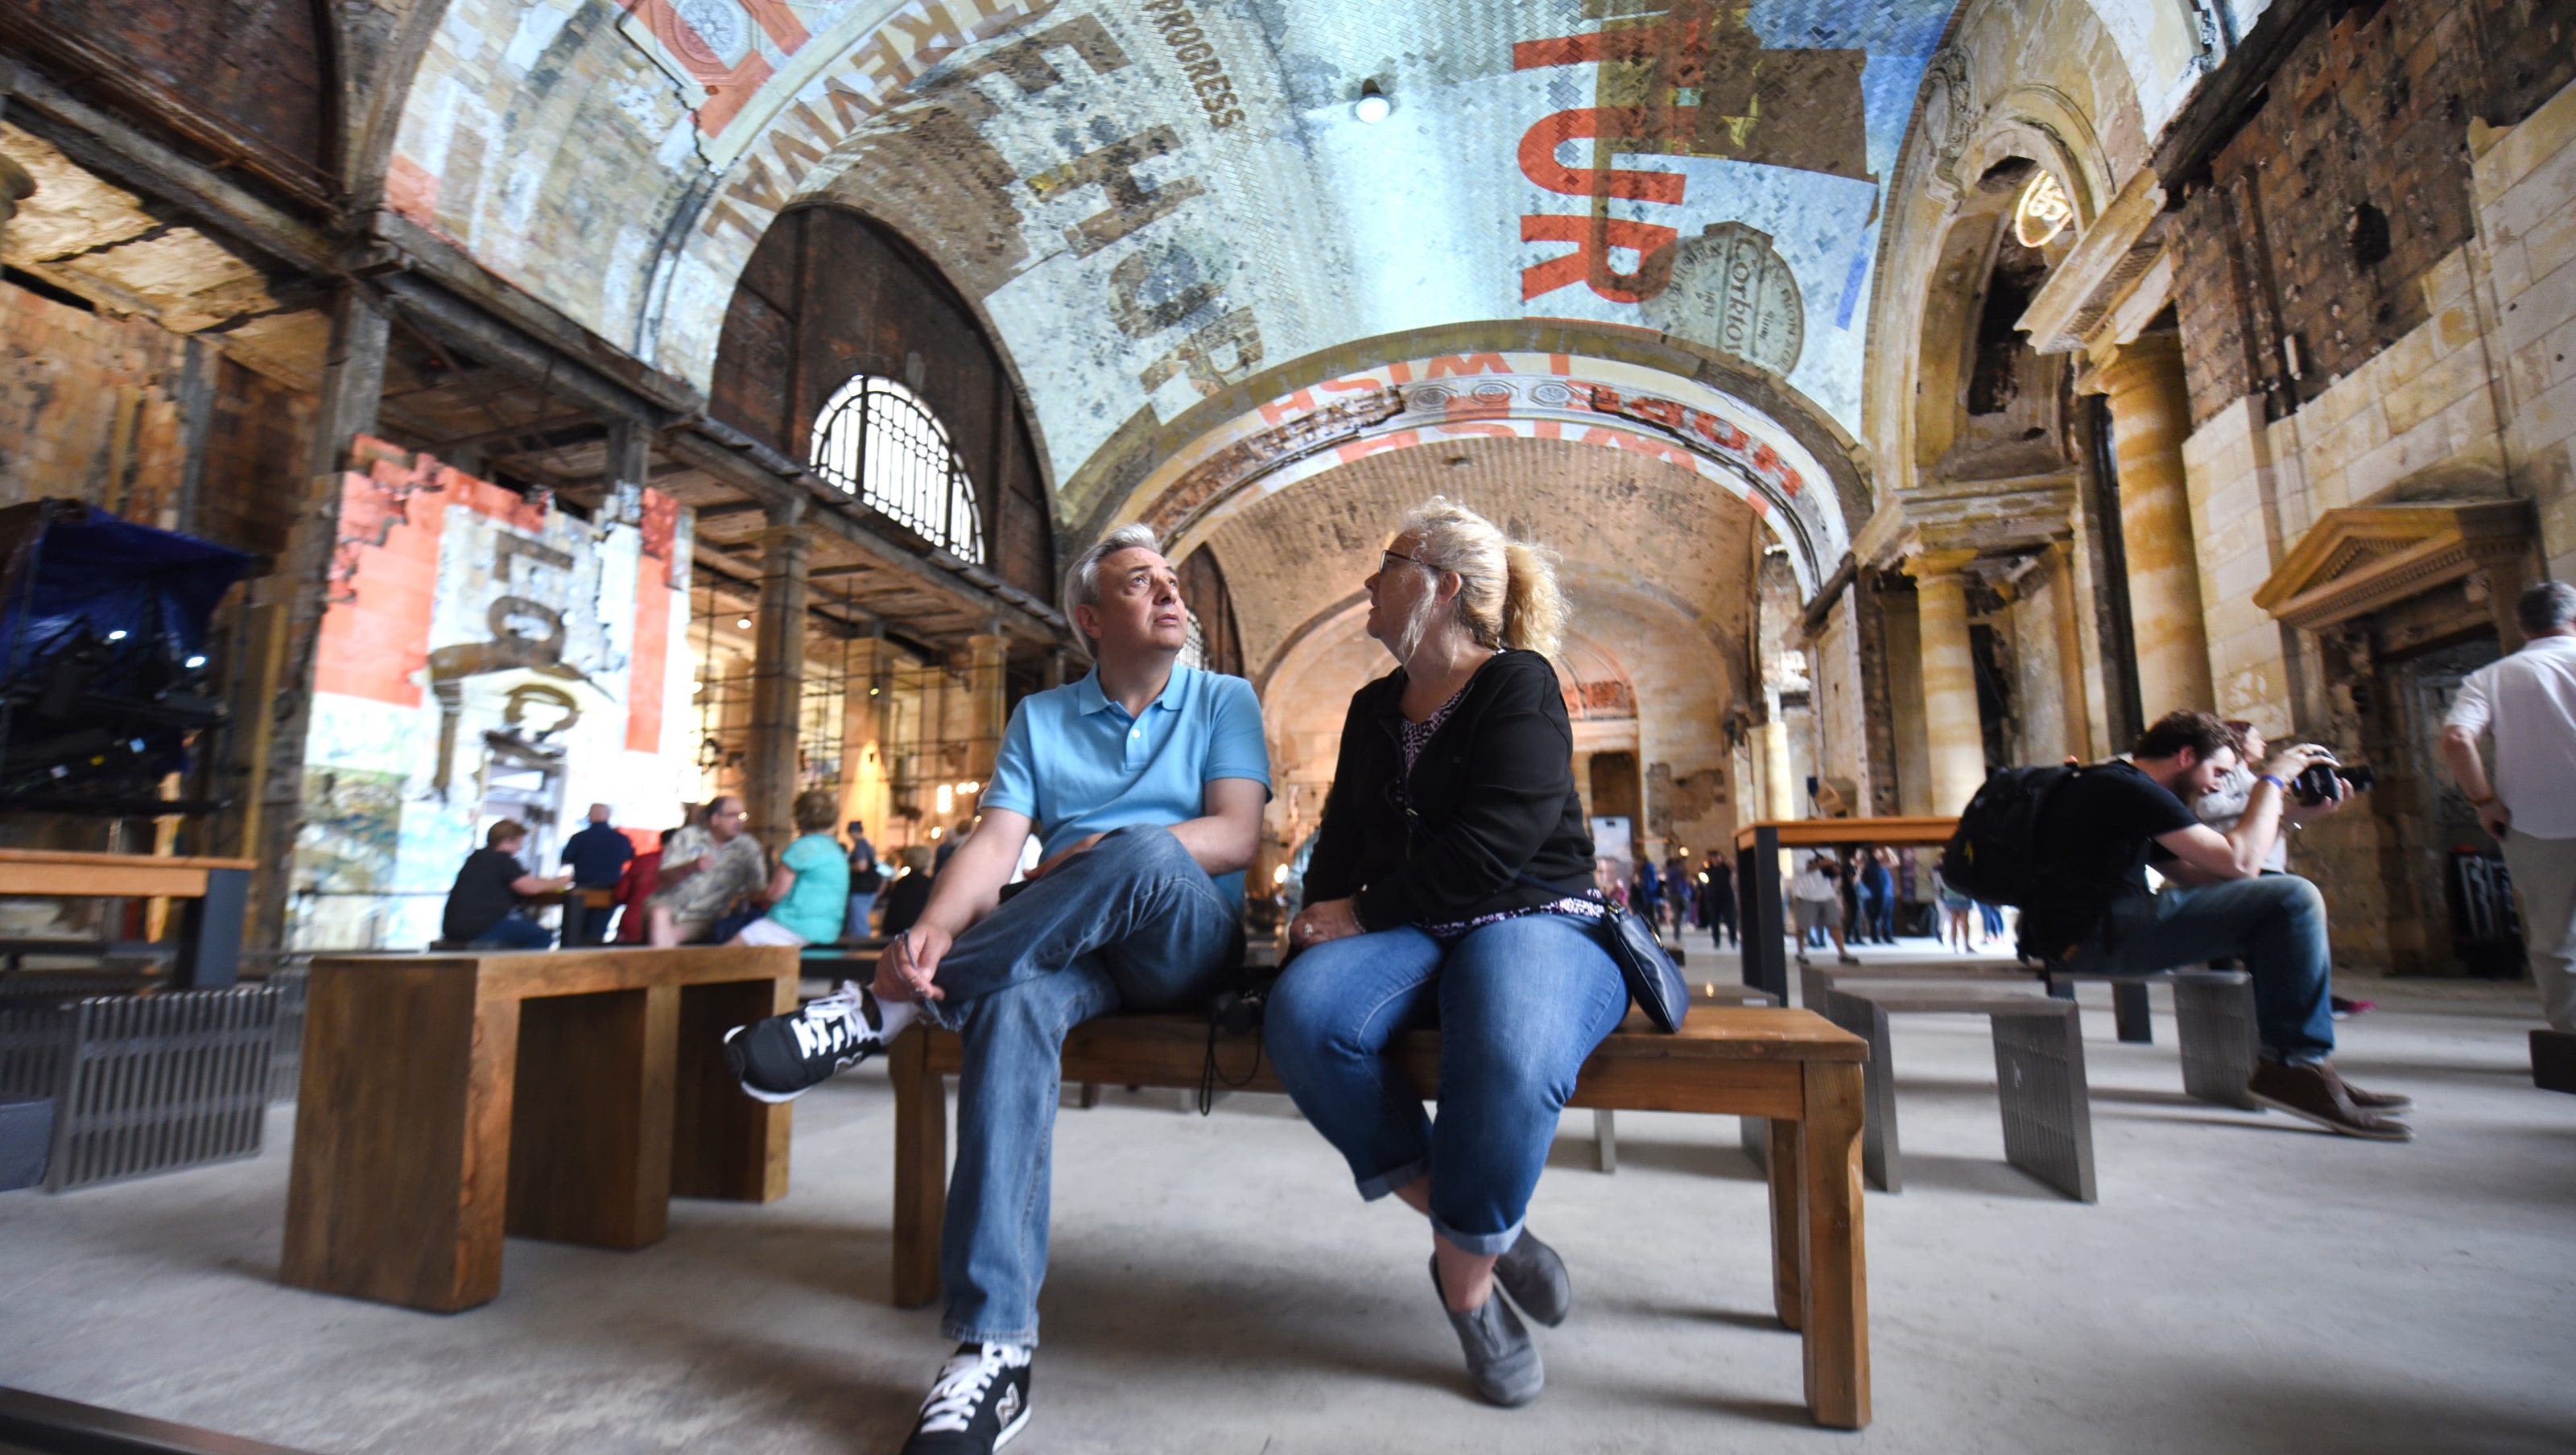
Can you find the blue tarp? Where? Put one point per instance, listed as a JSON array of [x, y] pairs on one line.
[[99, 574]]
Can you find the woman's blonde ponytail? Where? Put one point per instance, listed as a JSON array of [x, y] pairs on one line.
[[1533, 607]]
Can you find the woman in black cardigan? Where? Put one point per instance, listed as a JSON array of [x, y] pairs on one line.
[[1448, 886]]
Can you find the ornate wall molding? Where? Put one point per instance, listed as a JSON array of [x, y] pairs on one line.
[[2362, 559]]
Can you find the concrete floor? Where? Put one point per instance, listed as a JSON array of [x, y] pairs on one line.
[[2243, 1285]]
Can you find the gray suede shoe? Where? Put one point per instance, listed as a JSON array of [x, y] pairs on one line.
[[1535, 1278], [1502, 1363]]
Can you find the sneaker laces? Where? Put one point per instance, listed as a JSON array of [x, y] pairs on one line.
[[961, 1385], [841, 1017]]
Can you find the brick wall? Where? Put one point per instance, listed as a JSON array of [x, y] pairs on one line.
[[243, 76], [829, 294], [89, 409], [2305, 251]]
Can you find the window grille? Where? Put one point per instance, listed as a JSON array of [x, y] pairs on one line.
[[878, 441]]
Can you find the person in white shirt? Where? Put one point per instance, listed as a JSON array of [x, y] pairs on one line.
[[2527, 704], [1819, 901]]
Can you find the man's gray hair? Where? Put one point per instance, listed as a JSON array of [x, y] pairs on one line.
[[2546, 608], [1082, 583]]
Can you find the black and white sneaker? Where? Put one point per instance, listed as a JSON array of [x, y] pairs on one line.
[[785, 1056], [980, 1401]]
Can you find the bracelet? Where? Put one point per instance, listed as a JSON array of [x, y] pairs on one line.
[[2276, 780]]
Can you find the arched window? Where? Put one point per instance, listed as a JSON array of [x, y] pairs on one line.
[[878, 441]]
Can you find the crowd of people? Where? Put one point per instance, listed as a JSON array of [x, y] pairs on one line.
[[1452, 884], [706, 881]]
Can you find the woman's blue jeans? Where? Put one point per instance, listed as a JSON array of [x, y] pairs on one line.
[[1518, 1003]]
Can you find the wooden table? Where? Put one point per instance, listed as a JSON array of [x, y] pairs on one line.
[[216, 894], [1791, 1067], [1757, 873], [567, 1094]]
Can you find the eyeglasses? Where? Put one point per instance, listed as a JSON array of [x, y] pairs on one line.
[[1401, 556]]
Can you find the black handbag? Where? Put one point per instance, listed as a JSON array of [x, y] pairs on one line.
[[1654, 982]]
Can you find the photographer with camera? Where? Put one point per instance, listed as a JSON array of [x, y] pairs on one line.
[[2091, 913], [2325, 784]]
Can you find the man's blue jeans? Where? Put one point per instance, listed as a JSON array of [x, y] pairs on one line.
[[514, 932], [1519, 1004], [861, 905], [2276, 924], [1132, 923]]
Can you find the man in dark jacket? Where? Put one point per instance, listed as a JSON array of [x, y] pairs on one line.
[[597, 856]]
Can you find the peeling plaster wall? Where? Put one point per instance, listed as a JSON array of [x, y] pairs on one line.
[[458, 610]]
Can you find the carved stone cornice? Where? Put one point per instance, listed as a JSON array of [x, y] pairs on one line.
[[1977, 517], [2362, 559], [2103, 270]]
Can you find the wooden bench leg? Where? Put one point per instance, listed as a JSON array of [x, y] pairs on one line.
[[1605, 1139], [1090, 1095], [725, 1144], [402, 1129], [590, 1128], [1837, 1327], [1783, 1155], [920, 1169]]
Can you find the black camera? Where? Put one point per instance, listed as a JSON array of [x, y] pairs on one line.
[[2315, 783]]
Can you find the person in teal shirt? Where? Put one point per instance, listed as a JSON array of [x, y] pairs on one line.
[[809, 891]]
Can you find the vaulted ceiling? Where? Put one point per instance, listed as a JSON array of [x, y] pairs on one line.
[[1151, 201]]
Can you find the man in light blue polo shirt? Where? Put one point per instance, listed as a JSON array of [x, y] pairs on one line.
[[1144, 782]]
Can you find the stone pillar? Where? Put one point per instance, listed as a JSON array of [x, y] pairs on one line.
[[1786, 793], [2150, 416], [2070, 650], [777, 677], [1950, 717], [286, 611], [987, 653], [864, 751]]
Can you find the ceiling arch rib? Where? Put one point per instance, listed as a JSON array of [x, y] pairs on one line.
[[1154, 201], [1437, 403]]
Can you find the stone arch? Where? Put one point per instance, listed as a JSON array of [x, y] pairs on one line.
[[1734, 424]]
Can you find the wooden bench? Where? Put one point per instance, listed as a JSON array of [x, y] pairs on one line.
[[1790, 1067], [565, 1094], [216, 894], [1758, 847]]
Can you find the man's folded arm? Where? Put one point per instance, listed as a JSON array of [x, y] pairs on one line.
[[1228, 830]]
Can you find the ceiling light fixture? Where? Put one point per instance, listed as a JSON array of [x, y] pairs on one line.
[[745, 623], [1372, 107]]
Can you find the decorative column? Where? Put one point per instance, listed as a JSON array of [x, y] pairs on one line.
[[1950, 717], [777, 676], [2150, 416]]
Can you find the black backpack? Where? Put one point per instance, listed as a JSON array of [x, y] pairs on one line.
[[1993, 855]]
